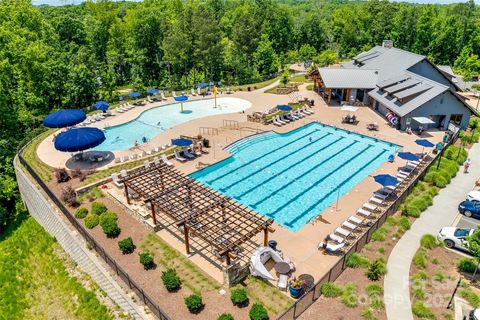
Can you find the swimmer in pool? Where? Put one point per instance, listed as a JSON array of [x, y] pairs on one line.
[[144, 140], [310, 139], [136, 143]]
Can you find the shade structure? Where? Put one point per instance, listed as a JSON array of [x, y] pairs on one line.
[[348, 108], [408, 156], [64, 118], [423, 120], [386, 180], [284, 107], [79, 139], [424, 143], [181, 98], [153, 91], [182, 142], [202, 85], [102, 105], [219, 83], [134, 94]]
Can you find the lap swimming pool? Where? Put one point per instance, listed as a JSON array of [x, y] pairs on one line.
[[293, 177], [156, 120]]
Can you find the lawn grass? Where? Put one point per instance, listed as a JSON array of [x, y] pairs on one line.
[[253, 86], [261, 291], [30, 155], [35, 282], [167, 257]]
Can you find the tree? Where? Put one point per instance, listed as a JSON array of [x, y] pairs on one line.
[[285, 77], [326, 58], [266, 59], [473, 245], [307, 52]]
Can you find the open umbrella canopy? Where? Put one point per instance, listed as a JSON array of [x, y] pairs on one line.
[[202, 85], [386, 180], [102, 105], [182, 142], [349, 108], [64, 118], [181, 98], [153, 91], [424, 143], [134, 94], [284, 107], [408, 156], [79, 139]]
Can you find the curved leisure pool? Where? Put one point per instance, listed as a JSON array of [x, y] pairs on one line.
[[156, 120]]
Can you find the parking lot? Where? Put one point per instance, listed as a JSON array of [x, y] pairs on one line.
[[467, 223]]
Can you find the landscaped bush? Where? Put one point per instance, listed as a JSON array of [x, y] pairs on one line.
[[420, 259], [404, 223], [466, 265], [194, 303], [428, 241], [331, 290], [349, 295], [61, 175], [69, 196], [170, 280], [239, 296], [98, 208], [91, 221], [108, 222], [258, 312], [418, 293], [126, 245], [374, 289], [422, 311], [472, 298], [377, 270], [356, 260], [146, 259], [225, 316], [81, 213], [380, 233]]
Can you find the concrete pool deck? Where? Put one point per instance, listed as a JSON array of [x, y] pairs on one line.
[[300, 246]]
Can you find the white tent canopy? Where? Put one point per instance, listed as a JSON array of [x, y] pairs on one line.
[[349, 108], [423, 120]]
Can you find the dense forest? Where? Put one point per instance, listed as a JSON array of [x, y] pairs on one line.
[[71, 56]]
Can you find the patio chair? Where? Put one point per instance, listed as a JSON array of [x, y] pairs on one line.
[[123, 173], [281, 121], [369, 206], [355, 220], [290, 263], [174, 94], [375, 200], [282, 282], [343, 232], [334, 248], [275, 122], [162, 95], [187, 154], [165, 160], [199, 91], [365, 213], [336, 238], [156, 161], [383, 193], [284, 119], [179, 157], [192, 92], [116, 180], [349, 225], [146, 164]]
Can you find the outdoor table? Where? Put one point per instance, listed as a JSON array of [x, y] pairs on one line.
[[282, 267], [308, 281]]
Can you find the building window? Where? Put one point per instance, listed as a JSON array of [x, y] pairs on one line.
[[456, 118]]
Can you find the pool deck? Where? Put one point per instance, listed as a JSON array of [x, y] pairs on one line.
[[300, 246]]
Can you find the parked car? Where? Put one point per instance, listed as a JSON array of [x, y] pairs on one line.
[[474, 314], [473, 196], [470, 208], [454, 237]]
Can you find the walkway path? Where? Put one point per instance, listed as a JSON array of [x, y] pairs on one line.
[[440, 214]]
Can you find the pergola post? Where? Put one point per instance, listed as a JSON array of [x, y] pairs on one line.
[[187, 242], [189, 192], [227, 258], [154, 217], [126, 192], [347, 97], [265, 237], [329, 96]]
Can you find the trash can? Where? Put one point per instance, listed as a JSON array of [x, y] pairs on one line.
[[206, 143], [312, 102], [272, 244]]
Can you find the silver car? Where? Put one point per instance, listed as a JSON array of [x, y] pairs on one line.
[[455, 237]]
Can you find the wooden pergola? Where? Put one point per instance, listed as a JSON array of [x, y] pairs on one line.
[[216, 219]]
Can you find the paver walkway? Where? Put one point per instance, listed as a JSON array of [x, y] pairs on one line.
[[440, 214]]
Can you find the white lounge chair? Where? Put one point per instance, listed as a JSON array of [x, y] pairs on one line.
[[165, 160], [345, 233], [116, 180], [355, 220], [375, 200], [276, 122], [174, 94], [336, 238], [283, 282], [162, 95], [365, 213], [123, 173], [193, 92], [199, 91], [349, 225], [179, 157], [334, 248], [369, 206], [146, 164]]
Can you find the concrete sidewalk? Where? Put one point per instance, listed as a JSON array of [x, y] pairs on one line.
[[440, 214]]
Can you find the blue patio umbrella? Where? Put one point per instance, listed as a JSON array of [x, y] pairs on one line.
[[219, 83], [153, 91], [79, 139], [102, 105], [424, 143], [202, 85], [386, 180], [284, 107], [134, 94], [64, 118], [182, 142], [408, 156]]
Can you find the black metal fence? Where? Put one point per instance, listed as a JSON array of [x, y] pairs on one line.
[[147, 300], [305, 301]]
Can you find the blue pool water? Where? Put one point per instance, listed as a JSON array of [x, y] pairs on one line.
[[293, 177], [156, 120]]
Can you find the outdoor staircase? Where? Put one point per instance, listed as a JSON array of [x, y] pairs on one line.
[[44, 213]]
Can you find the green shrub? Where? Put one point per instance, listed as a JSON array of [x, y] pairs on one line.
[[108, 221], [126, 245], [374, 289], [170, 280], [419, 276], [466, 265], [349, 295], [380, 233], [146, 259], [225, 316], [439, 276], [91, 221], [440, 181], [368, 314], [377, 270], [258, 312], [194, 303], [377, 303], [428, 241], [239, 296], [81, 213], [422, 311], [472, 298], [418, 293], [331, 290], [412, 211], [356, 260], [420, 259], [404, 223], [98, 208]]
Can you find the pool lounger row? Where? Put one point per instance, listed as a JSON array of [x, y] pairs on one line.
[[292, 116], [147, 164]]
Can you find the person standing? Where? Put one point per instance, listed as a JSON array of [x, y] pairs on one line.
[[466, 165]]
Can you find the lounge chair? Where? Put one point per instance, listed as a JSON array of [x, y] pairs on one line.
[[116, 180], [276, 122], [199, 91], [165, 160], [343, 232], [383, 193], [281, 121], [349, 225], [174, 94], [156, 161], [293, 116], [365, 213], [193, 92], [134, 156], [355, 220], [125, 158], [336, 238], [118, 160], [284, 119], [146, 164], [123, 173], [369, 206], [188, 154], [179, 157], [334, 248], [283, 282], [162, 95], [375, 200]]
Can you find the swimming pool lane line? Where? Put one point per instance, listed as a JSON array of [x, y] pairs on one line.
[[283, 157], [251, 140], [299, 216], [261, 156], [309, 170]]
